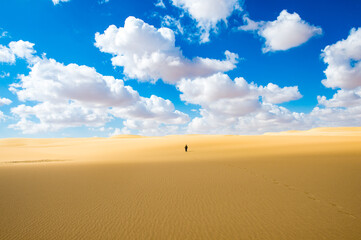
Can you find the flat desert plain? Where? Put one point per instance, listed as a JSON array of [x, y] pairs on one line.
[[291, 185]]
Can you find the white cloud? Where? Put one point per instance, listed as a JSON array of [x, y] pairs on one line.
[[173, 23], [150, 116], [250, 25], [154, 108], [2, 116], [149, 54], [103, 1], [22, 49], [208, 13], [219, 94], [59, 1], [68, 96], [344, 62], [160, 4], [342, 99], [343, 109], [3, 33], [238, 107], [219, 87], [6, 55], [288, 31], [59, 82], [5, 101], [343, 71], [274, 94], [19, 49], [118, 131], [268, 118], [149, 128], [272, 118], [73, 96], [55, 116], [228, 105], [4, 74], [336, 117]]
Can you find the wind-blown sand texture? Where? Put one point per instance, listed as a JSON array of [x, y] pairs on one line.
[[285, 186]]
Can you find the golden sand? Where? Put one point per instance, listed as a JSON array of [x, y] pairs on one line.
[[286, 186]]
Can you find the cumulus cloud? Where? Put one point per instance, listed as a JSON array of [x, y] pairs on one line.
[[2, 116], [151, 116], [344, 72], [173, 23], [336, 117], [3, 33], [343, 109], [149, 54], [118, 131], [219, 87], [6, 55], [73, 96], [274, 94], [160, 4], [208, 13], [272, 118], [103, 1], [268, 118], [153, 108], [59, 1], [344, 62], [4, 74], [238, 107], [53, 117], [17, 49], [22, 49], [342, 99], [61, 82], [5, 101], [219, 94], [228, 105], [286, 32], [150, 128]]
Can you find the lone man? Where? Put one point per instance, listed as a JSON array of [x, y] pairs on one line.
[[186, 147]]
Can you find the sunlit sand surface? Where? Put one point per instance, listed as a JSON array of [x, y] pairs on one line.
[[294, 185]]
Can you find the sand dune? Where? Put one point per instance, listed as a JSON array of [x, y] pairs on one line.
[[127, 136], [324, 131], [281, 186]]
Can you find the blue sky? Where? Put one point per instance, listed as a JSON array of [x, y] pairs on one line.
[[177, 66]]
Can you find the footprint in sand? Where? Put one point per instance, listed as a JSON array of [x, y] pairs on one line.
[[292, 188], [314, 198]]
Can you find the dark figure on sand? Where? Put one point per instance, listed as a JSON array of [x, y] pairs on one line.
[[186, 147]]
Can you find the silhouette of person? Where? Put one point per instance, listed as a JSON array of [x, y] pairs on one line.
[[186, 147]]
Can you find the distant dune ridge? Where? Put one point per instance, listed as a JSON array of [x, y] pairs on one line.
[[126, 136], [289, 185], [339, 131]]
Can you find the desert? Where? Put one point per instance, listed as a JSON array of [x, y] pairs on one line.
[[291, 185]]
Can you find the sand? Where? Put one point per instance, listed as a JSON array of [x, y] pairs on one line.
[[275, 186]]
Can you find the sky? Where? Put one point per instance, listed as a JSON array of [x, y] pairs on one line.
[[86, 68]]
